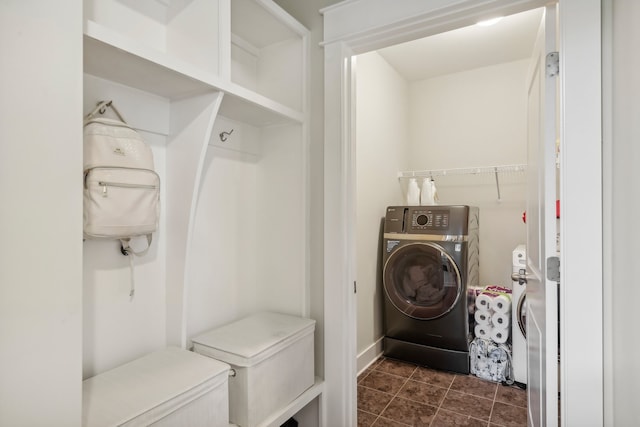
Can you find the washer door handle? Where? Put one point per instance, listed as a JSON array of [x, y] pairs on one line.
[[521, 276]]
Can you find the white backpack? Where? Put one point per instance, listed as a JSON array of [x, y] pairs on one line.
[[121, 188]]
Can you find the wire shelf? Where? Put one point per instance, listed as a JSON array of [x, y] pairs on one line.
[[496, 171], [431, 173]]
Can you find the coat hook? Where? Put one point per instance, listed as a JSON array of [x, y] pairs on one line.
[[103, 107], [225, 135]]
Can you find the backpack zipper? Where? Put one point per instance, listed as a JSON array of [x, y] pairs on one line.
[[88, 171], [105, 184]]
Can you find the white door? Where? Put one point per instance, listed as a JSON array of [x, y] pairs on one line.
[[542, 297]]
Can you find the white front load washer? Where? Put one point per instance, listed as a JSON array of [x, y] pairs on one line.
[[519, 317]]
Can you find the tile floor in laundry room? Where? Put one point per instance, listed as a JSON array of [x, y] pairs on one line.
[[393, 393]]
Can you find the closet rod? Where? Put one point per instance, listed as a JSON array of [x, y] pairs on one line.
[[464, 171]]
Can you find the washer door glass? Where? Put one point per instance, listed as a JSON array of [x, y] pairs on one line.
[[422, 280]]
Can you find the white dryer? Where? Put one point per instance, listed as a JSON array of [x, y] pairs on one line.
[[519, 317]]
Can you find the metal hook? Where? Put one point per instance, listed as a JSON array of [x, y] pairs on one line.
[[224, 135], [123, 250], [103, 108]]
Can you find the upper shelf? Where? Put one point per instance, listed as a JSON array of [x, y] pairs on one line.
[[178, 53], [262, 23], [267, 51], [110, 55]]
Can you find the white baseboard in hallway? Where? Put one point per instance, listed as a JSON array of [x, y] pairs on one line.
[[369, 355]]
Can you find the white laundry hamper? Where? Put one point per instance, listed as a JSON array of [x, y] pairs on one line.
[[167, 388], [272, 356]]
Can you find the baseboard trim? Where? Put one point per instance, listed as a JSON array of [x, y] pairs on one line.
[[369, 355]]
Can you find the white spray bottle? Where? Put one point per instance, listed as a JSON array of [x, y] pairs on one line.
[[413, 193], [426, 195]]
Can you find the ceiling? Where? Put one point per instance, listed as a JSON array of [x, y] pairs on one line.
[[466, 48]]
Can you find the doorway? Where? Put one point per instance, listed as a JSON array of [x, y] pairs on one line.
[[346, 36], [452, 108]]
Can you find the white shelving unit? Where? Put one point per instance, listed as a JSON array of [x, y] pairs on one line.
[[186, 72], [119, 58]]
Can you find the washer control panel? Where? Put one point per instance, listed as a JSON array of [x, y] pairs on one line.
[[455, 220], [429, 219]]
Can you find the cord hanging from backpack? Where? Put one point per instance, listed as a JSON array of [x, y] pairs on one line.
[[127, 250]]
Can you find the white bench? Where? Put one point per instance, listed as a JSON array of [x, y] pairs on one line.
[[167, 388]]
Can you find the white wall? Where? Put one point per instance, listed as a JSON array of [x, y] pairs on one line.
[[623, 289], [280, 218], [40, 213], [471, 118], [221, 288], [248, 249], [477, 118], [382, 138]]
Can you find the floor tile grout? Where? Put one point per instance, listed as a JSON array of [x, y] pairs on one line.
[[408, 377], [493, 404], [442, 401], [395, 395]]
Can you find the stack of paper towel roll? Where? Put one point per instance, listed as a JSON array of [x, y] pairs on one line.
[[493, 314]]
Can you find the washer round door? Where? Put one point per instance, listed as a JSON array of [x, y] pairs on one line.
[[422, 280], [522, 314]]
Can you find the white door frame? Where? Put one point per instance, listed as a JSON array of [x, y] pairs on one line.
[[389, 22]]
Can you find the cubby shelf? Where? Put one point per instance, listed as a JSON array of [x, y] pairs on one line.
[[117, 58]]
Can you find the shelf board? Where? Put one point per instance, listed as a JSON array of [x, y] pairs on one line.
[[263, 23], [279, 417], [117, 58], [245, 105]]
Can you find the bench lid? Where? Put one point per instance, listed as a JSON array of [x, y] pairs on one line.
[[149, 388], [252, 339]]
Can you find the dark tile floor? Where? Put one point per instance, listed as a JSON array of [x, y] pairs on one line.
[[393, 393]]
